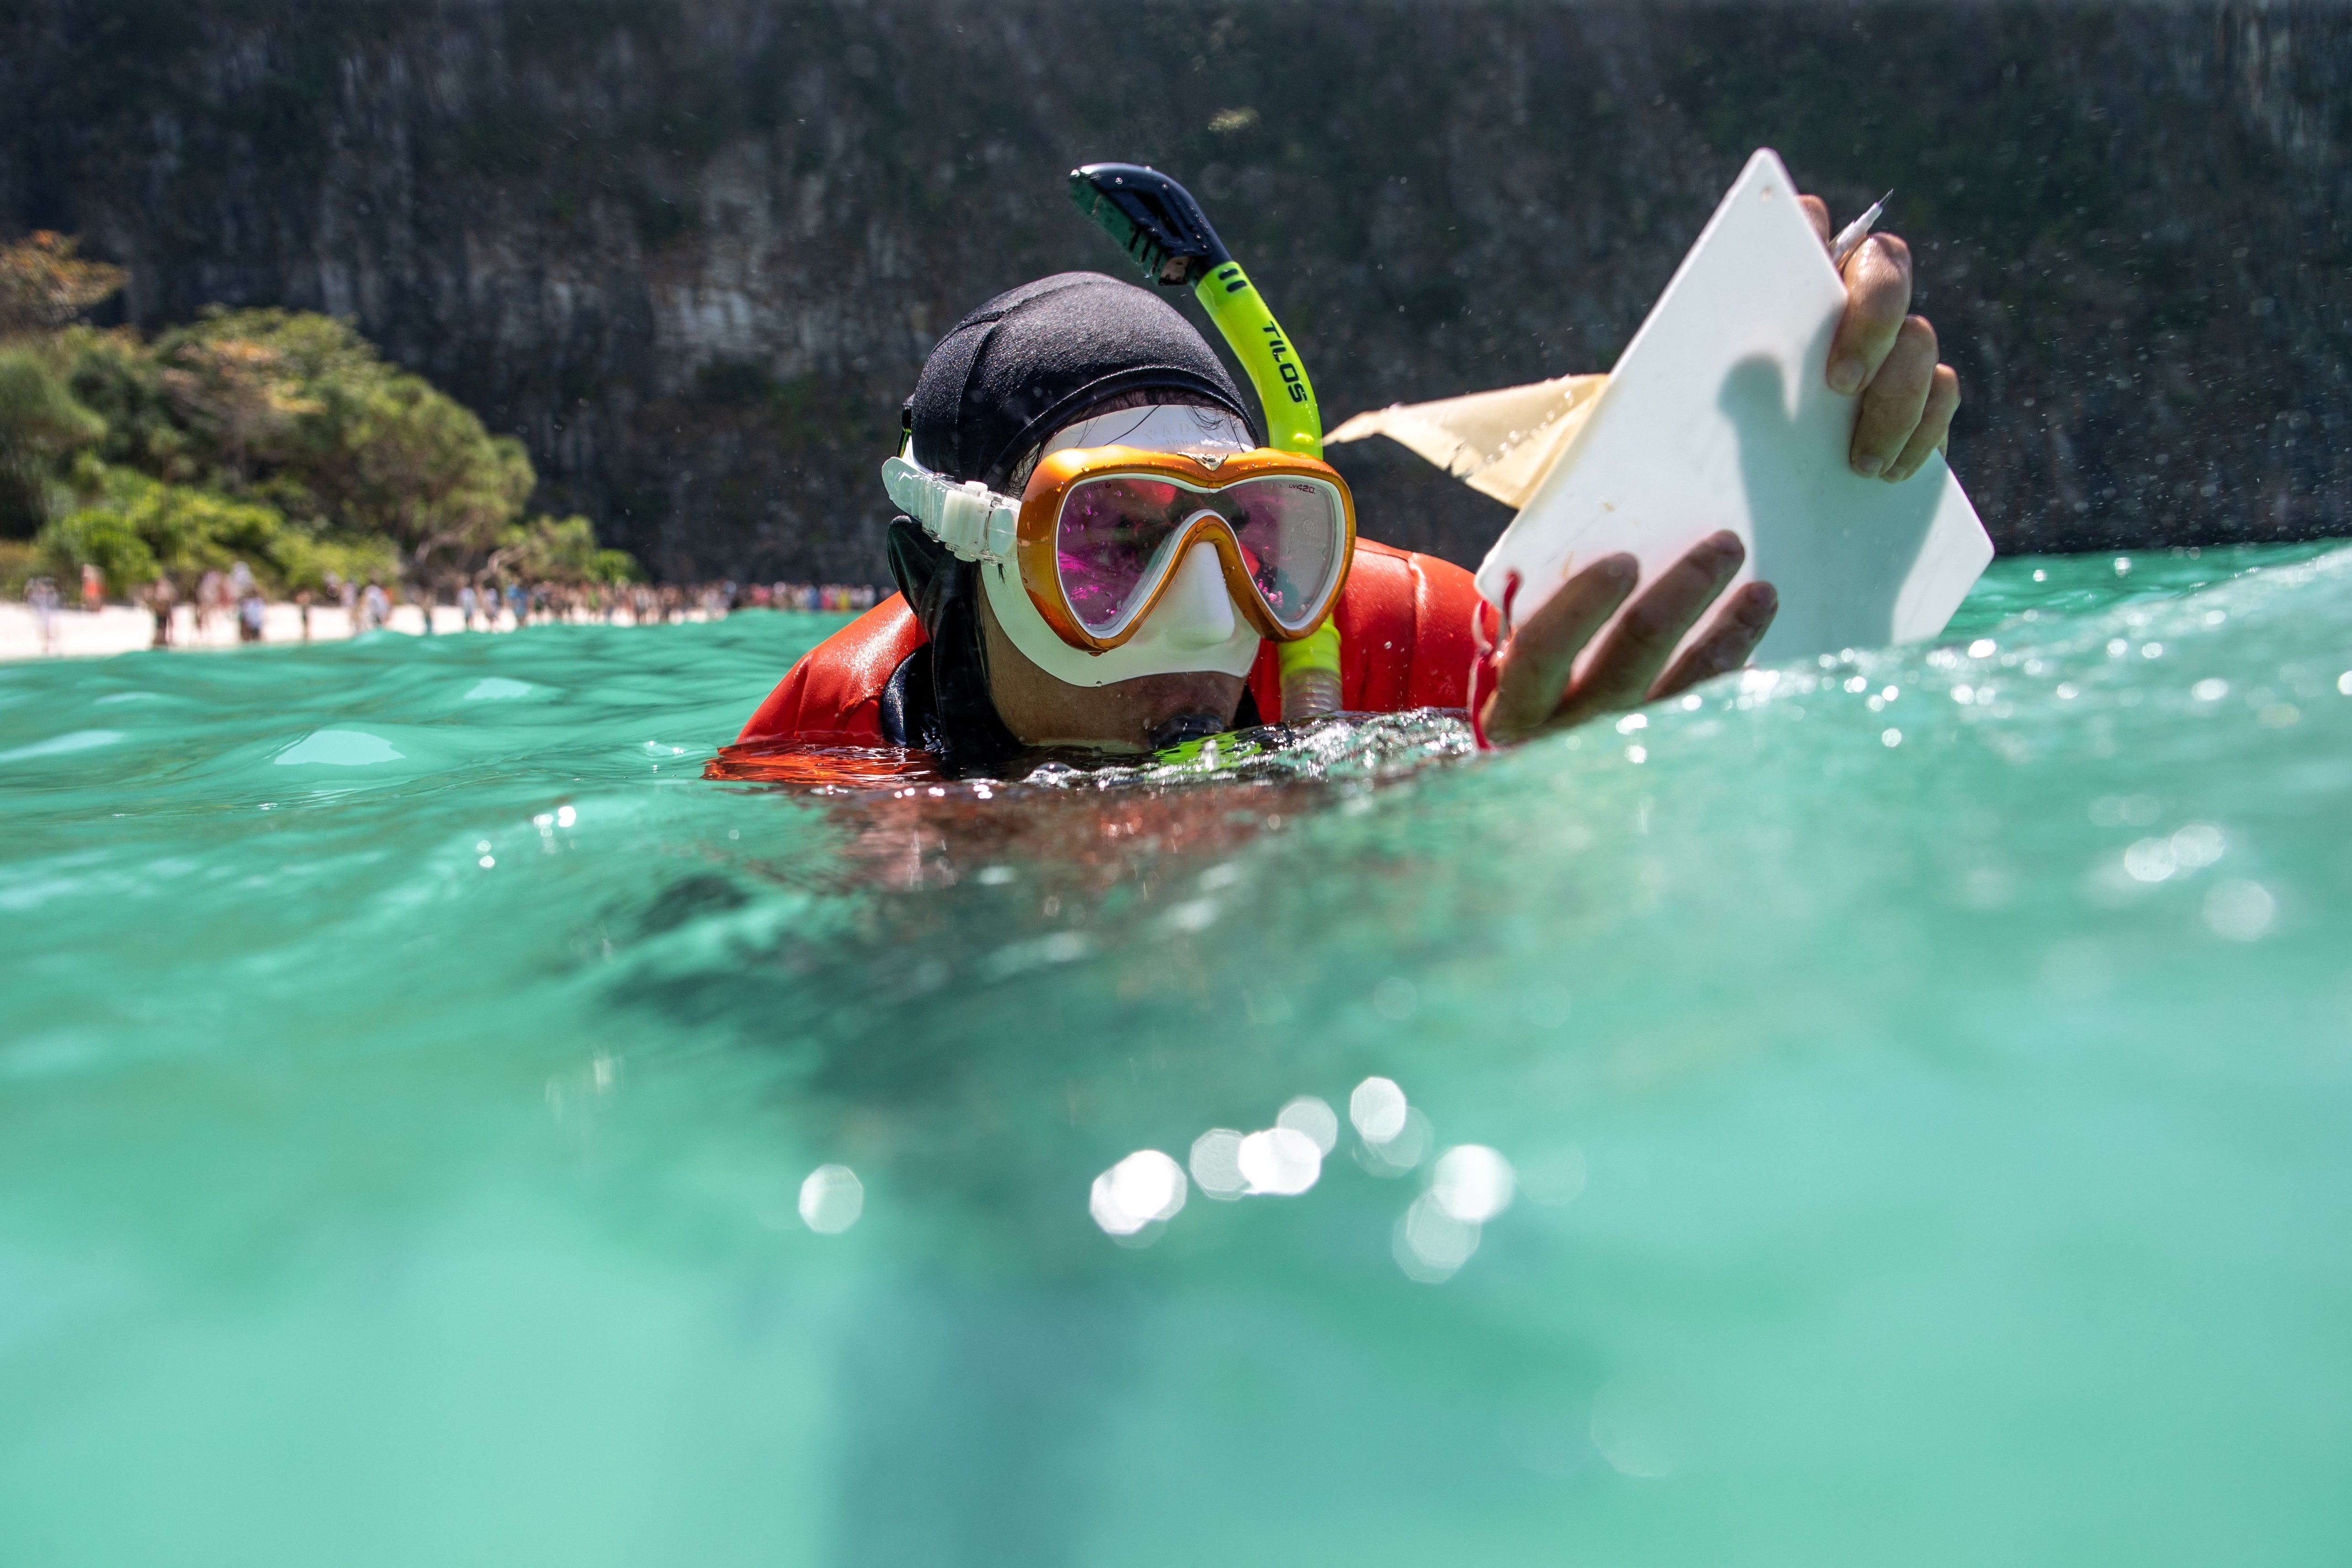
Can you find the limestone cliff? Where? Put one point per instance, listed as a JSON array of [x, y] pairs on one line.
[[694, 253]]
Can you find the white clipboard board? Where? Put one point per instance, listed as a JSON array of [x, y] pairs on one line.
[[1719, 415]]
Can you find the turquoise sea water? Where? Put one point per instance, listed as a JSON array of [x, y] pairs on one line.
[[1927, 1081]]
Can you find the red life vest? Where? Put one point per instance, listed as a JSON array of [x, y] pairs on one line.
[[1405, 641]]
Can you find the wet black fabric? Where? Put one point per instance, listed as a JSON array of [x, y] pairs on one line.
[[938, 698], [1005, 378]]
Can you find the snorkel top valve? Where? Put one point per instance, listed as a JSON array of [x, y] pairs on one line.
[[1157, 222], [1155, 218]]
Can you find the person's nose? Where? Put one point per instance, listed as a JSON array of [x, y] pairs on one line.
[[1196, 611]]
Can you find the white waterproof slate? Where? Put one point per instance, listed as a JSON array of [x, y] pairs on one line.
[[1719, 415]]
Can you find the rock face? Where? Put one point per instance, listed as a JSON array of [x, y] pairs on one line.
[[694, 253]]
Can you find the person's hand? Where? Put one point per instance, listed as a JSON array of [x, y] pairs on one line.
[[1888, 357], [1532, 691]]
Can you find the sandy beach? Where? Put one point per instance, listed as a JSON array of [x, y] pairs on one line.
[[120, 629]]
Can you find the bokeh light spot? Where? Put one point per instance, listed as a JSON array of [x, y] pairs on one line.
[[1280, 1162], [831, 1199], [1216, 1164], [1312, 1116], [1144, 1187], [1472, 1183], [2239, 911], [1635, 1431], [1376, 1108], [1395, 999], [1431, 1245]]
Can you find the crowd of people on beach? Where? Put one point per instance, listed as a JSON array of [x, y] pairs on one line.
[[234, 598], [645, 603]]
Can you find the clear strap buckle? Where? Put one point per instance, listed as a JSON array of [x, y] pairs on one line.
[[973, 521]]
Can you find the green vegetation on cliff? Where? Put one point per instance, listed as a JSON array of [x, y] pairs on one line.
[[275, 437]]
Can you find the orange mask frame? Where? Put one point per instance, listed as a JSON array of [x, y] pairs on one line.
[[1058, 473]]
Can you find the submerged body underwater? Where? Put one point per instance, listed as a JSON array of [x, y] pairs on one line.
[[1922, 1075]]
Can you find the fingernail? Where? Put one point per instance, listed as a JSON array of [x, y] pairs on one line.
[[1846, 375], [1868, 466], [1620, 567], [1723, 541]]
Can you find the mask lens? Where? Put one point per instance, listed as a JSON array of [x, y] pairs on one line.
[[1115, 536], [1108, 544], [1291, 532]]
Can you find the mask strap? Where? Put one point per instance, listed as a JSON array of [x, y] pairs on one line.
[[971, 520]]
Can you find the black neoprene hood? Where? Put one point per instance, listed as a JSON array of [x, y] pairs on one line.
[[1035, 357]]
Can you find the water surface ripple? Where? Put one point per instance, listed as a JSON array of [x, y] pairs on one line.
[[1916, 1086]]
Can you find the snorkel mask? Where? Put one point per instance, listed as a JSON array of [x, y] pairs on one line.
[[1162, 539], [1148, 541]]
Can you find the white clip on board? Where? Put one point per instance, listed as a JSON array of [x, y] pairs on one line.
[[1719, 415]]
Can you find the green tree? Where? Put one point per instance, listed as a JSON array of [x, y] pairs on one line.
[[106, 539], [423, 472], [278, 437], [300, 407], [551, 550], [44, 285], [41, 426], [119, 378], [143, 528]]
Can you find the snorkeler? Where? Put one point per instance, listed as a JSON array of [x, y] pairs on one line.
[[1099, 549]]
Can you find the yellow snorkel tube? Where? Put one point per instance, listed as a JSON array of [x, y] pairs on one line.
[[1159, 224]]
